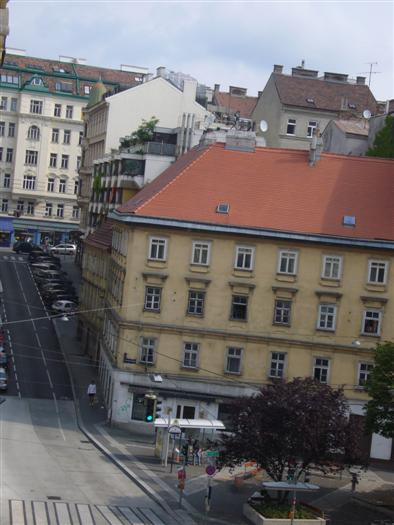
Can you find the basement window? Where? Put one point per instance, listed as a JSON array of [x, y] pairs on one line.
[[349, 220], [223, 207]]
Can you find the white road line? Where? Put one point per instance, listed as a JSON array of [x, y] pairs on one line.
[[152, 516], [107, 513], [129, 515], [58, 416], [84, 514], [17, 509], [40, 513], [63, 514]]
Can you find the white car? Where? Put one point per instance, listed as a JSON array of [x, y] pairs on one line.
[[64, 248], [64, 306]]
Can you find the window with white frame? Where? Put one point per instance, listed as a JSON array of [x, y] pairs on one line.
[[372, 320], [10, 79], [29, 182], [48, 209], [195, 303], [152, 298], [31, 157], [57, 110], [110, 335], [377, 272], [69, 111], [36, 107], [20, 206], [147, 350], [2, 129], [60, 210], [14, 104], [33, 133], [76, 186], [75, 214], [291, 126], [287, 262], [53, 160], [364, 371], [80, 139], [190, 355], [320, 369], [332, 267], [62, 185], [282, 312], [55, 135], [233, 360], [157, 249], [51, 184], [64, 163], [66, 136], [1, 154], [11, 129], [201, 253], [4, 205], [244, 256], [312, 125], [277, 364], [9, 155], [7, 180], [3, 103], [78, 166], [327, 317], [239, 308], [30, 208]]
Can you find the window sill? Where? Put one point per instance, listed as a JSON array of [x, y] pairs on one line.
[[286, 325], [286, 277], [232, 373], [144, 363], [329, 330], [334, 283], [190, 368], [147, 310], [153, 263], [376, 287], [199, 268], [363, 334], [195, 316], [238, 320], [243, 272]]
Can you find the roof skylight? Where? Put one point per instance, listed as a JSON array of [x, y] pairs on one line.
[[349, 220], [223, 207]]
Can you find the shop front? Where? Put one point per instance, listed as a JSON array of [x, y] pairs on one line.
[[6, 229], [42, 232]]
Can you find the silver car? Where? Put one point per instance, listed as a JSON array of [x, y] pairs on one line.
[[65, 248]]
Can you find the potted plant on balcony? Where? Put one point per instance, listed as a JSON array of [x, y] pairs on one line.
[[142, 135]]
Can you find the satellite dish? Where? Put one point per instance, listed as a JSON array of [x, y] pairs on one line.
[[367, 114], [263, 126]]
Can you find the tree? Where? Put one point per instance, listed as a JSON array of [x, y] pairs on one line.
[[383, 145], [301, 423], [143, 134], [380, 387]]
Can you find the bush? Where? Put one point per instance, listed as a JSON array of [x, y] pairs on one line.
[[282, 510]]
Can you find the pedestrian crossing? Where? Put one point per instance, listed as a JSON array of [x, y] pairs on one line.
[[23, 512], [13, 258]]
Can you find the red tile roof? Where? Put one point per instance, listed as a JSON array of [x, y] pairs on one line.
[[327, 95], [233, 103], [102, 237], [274, 189]]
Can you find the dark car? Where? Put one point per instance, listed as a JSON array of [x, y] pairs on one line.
[[57, 281], [42, 256], [26, 247], [3, 360], [49, 300], [54, 287], [43, 265], [3, 379]]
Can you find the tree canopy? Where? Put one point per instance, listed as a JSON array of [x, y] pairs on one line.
[[380, 387], [301, 423], [383, 145], [143, 134]]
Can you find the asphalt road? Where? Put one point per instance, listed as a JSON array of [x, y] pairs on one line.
[[36, 368]]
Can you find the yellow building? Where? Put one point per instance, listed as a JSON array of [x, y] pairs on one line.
[[242, 265]]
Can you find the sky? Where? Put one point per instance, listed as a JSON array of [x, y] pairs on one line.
[[217, 42]]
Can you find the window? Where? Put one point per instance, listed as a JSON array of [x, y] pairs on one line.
[[2, 129], [55, 135], [332, 267], [76, 186], [48, 209], [75, 214], [157, 249], [282, 312], [9, 155], [86, 89], [195, 304], [152, 298], [64, 164], [69, 111], [239, 307], [7, 180], [14, 104], [371, 322], [31, 157], [364, 371], [233, 360], [1, 154], [327, 317], [67, 87], [11, 129], [57, 112], [30, 208], [312, 125], [4, 205], [80, 138], [51, 185], [291, 126], [287, 262], [3, 103], [66, 136], [277, 364], [377, 272], [36, 81], [147, 350], [201, 253], [20, 206], [36, 107], [190, 355], [185, 412], [10, 79], [78, 163], [62, 186], [33, 133], [53, 160], [320, 369], [60, 210], [244, 258], [29, 182]]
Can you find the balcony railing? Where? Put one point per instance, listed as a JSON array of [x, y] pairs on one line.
[[153, 148]]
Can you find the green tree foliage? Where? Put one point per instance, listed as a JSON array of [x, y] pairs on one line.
[[383, 145], [143, 134], [380, 387], [301, 423]]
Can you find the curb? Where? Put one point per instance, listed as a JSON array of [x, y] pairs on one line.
[[367, 504]]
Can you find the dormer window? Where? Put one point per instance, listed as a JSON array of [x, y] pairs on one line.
[[36, 81], [349, 220], [223, 207]]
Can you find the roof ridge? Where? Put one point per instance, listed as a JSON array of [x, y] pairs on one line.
[[182, 172]]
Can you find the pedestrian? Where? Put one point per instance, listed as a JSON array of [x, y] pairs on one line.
[[196, 452], [354, 482], [92, 392]]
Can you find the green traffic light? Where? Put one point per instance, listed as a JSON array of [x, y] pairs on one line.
[[149, 418]]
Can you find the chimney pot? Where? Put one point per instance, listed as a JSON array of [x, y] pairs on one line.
[[160, 71], [259, 93], [360, 80], [217, 87], [278, 68]]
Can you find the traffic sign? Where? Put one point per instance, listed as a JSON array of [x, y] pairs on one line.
[[210, 470], [212, 453], [175, 430]]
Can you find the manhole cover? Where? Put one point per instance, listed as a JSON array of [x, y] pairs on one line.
[[54, 497]]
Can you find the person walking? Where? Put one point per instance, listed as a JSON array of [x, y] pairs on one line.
[[92, 392]]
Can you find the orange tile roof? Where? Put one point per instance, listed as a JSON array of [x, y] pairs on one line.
[[233, 103], [102, 237], [274, 189]]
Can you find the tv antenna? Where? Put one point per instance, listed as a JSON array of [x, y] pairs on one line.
[[370, 72]]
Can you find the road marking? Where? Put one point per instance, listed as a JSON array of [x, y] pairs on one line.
[[40, 513], [63, 514], [17, 509], [130, 516], [154, 518], [85, 514], [108, 514], [5, 257]]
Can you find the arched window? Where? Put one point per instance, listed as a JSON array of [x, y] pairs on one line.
[[33, 133]]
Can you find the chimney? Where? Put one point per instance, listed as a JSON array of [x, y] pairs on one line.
[[161, 72], [315, 147], [360, 80], [217, 87], [278, 68], [259, 93]]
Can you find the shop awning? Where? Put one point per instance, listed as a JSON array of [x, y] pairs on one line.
[[6, 225], [214, 424]]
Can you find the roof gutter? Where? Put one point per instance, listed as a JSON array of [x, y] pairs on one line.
[[255, 232]]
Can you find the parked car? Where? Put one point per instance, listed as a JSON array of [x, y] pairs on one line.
[[44, 266], [26, 247], [40, 256], [3, 379], [58, 281], [3, 360], [64, 306], [62, 297], [43, 275], [65, 248], [53, 287]]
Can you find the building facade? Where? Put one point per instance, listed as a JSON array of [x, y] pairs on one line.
[[41, 133], [279, 269]]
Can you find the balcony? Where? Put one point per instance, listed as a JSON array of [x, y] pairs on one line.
[[152, 148]]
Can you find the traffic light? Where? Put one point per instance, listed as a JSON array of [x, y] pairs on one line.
[[150, 410], [158, 408]]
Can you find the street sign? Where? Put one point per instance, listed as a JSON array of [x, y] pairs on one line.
[[212, 453], [175, 430], [210, 470]]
